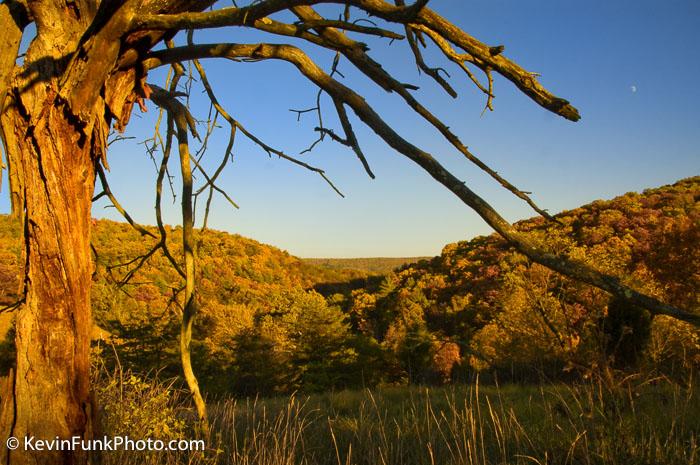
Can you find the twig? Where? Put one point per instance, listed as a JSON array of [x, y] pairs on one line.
[[108, 192]]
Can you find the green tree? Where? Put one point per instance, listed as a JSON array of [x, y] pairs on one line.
[[324, 354]]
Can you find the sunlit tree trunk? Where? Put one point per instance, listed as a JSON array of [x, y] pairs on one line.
[[59, 107], [52, 156], [51, 391]]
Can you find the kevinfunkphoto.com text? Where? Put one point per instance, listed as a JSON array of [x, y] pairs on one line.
[[76, 443]]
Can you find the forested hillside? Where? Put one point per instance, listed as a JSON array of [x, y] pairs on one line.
[[273, 323], [255, 303], [480, 305]]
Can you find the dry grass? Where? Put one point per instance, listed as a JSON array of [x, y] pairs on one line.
[[591, 423]]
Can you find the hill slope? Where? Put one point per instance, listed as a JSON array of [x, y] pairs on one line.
[[498, 308], [263, 329]]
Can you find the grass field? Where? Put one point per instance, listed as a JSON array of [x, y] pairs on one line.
[[655, 422]]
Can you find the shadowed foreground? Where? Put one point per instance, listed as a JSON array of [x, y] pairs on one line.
[[633, 421]]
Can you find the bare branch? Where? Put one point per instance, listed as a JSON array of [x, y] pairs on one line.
[[526, 244], [141, 259], [179, 113], [13, 19], [366, 65], [272, 151], [422, 66], [375, 31], [524, 80], [210, 182], [108, 192], [373, 70], [228, 152], [350, 138], [13, 306], [416, 13], [119, 138], [162, 171], [187, 53], [459, 59], [249, 14]]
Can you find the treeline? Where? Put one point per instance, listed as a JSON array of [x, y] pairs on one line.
[[262, 329], [272, 323], [380, 265]]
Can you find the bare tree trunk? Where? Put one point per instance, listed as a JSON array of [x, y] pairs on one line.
[[55, 120], [52, 379], [179, 115]]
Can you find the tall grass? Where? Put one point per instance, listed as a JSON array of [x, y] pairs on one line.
[[589, 423]]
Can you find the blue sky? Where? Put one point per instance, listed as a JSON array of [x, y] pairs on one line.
[[630, 67]]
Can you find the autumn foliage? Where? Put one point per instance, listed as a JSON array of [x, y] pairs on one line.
[[504, 311], [272, 323]]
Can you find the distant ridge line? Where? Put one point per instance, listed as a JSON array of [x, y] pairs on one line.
[[368, 264]]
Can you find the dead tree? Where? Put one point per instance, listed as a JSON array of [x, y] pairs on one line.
[[83, 71]]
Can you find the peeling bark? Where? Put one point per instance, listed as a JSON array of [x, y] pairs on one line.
[[52, 382], [55, 119], [52, 175]]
